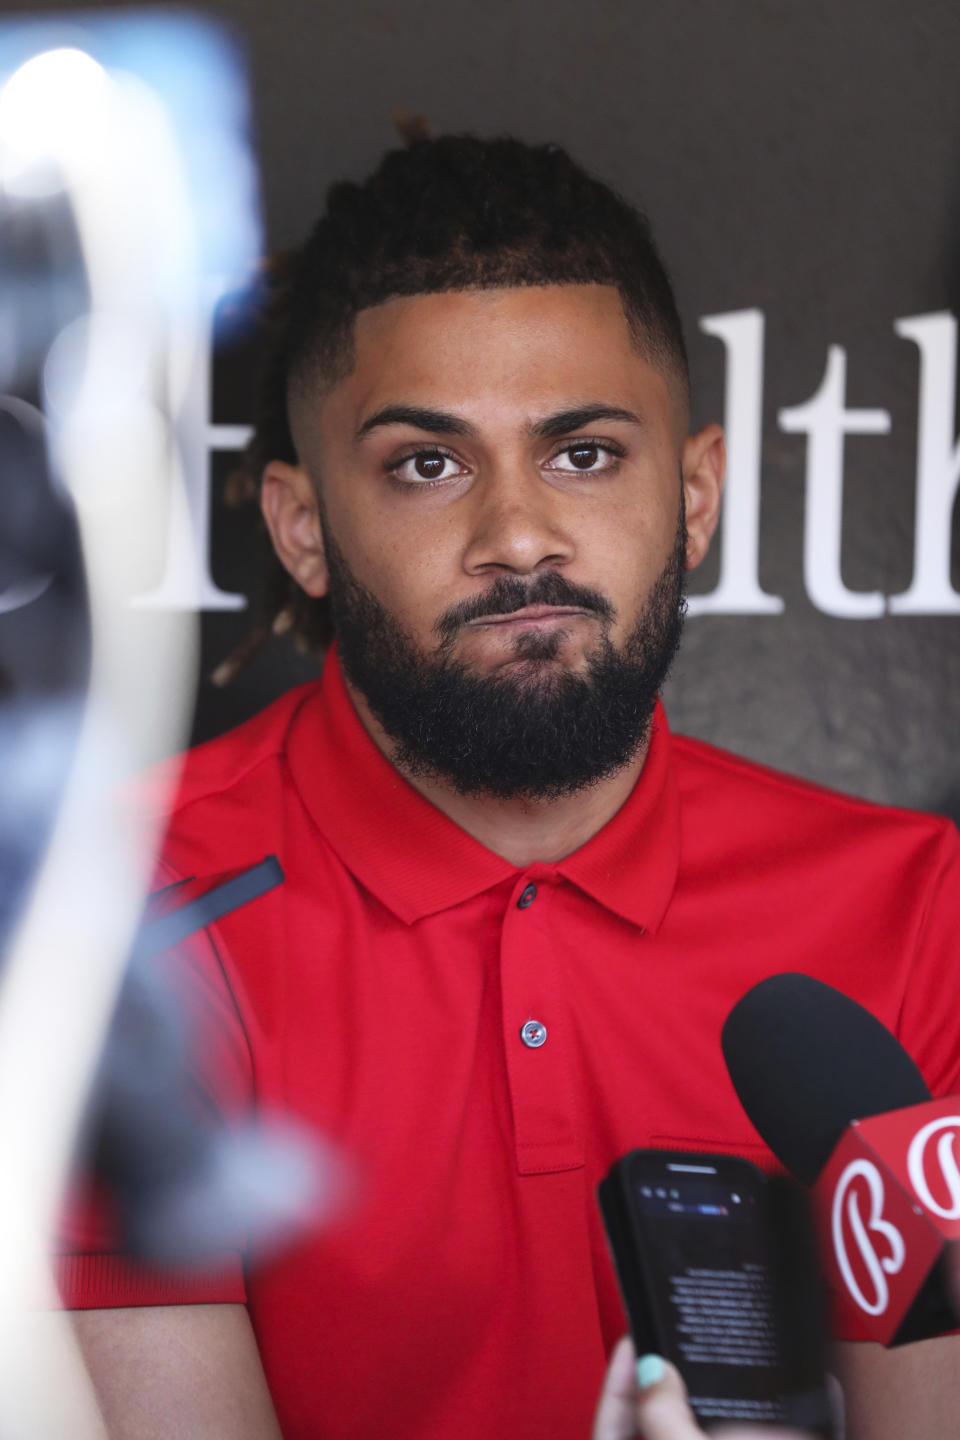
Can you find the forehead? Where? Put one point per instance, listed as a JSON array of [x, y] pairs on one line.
[[499, 353]]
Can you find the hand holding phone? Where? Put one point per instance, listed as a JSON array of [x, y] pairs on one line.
[[718, 1275], [661, 1410]]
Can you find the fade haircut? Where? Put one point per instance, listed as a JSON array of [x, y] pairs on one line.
[[454, 213]]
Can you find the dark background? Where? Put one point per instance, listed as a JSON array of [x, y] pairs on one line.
[[801, 158]]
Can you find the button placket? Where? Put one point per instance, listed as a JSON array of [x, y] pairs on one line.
[[536, 1035]]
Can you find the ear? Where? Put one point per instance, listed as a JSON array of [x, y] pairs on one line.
[[290, 507], [703, 464]]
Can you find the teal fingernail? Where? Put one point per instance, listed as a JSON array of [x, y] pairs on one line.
[[650, 1369]]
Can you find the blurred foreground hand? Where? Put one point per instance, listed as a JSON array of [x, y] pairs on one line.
[[659, 1410]]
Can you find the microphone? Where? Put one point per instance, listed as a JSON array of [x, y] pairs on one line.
[[819, 1076], [805, 1060]]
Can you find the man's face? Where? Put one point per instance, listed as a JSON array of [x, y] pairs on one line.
[[500, 483]]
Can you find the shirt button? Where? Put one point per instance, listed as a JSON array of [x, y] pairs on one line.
[[527, 897], [533, 1034]]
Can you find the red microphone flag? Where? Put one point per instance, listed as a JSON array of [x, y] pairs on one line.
[[885, 1205]]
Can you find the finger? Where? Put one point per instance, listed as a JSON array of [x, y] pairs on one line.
[[661, 1409], [752, 1432], [616, 1418], [663, 1412]]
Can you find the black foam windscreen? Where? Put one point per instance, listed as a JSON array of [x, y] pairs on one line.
[[805, 1060]]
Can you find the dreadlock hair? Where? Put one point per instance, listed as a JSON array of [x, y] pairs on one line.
[[453, 213]]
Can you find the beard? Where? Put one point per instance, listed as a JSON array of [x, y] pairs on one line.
[[540, 731]]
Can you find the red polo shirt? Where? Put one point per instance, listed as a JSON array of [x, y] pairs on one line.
[[389, 991]]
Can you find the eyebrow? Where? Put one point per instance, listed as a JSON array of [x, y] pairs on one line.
[[564, 421], [437, 422], [442, 422]]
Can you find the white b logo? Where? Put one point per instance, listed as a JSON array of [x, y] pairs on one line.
[[846, 1208], [947, 1162]]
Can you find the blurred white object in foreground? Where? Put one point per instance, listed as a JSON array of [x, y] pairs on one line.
[[73, 123]]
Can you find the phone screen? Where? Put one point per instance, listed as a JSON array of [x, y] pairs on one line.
[[708, 1267]]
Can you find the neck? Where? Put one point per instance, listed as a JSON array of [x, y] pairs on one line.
[[523, 831]]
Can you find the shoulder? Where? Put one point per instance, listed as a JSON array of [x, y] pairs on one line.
[[229, 763], [755, 803], [221, 805], [863, 896]]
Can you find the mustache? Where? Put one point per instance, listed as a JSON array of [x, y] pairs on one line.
[[510, 593]]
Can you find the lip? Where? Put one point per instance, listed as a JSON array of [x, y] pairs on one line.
[[530, 615]]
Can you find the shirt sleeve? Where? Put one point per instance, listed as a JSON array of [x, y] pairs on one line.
[[214, 1078], [930, 1016]]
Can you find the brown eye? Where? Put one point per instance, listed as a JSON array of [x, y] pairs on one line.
[[583, 457], [587, 457], [429, 464], [426, 468]]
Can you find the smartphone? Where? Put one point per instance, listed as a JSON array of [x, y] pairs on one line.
[[718, 1272]]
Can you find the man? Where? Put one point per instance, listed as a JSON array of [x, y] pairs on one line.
[[516, 911]]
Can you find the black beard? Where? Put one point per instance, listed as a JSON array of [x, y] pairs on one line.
[[541, 731]]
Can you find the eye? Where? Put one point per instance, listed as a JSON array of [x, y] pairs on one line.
[[586, 457], [426, 467]]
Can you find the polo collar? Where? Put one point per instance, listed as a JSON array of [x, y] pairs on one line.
[[418, 862]]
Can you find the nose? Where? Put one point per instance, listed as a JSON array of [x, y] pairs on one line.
[[519, 525]]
